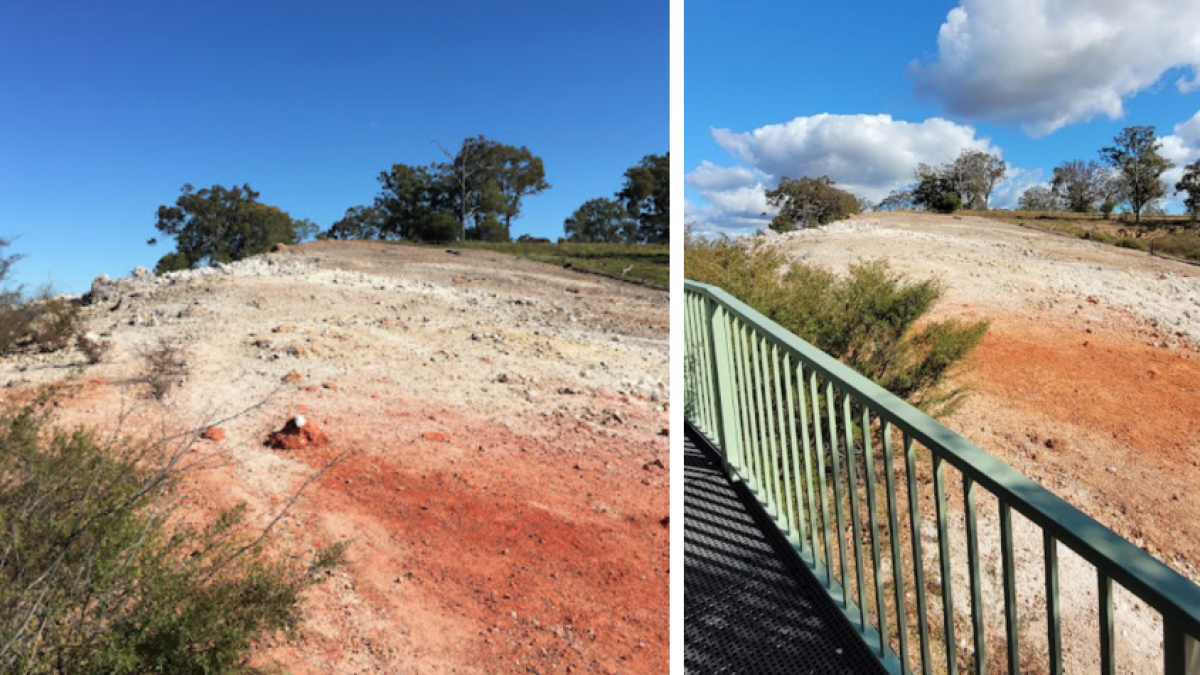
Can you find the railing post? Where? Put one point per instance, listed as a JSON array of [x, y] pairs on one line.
[[1181, 652], [718, 344]]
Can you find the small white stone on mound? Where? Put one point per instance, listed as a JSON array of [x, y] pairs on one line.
[[299, 421]]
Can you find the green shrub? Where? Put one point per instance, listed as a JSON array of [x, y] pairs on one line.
[[1136, 244], [1097, 235], [937, 194], [866, 318], [98, 576], [1185, 246]]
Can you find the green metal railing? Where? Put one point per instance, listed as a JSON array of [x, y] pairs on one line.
[[845, 468]]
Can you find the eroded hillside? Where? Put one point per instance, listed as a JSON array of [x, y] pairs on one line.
[[501, 426]]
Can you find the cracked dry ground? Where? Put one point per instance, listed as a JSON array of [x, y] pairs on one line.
[[502, 428]]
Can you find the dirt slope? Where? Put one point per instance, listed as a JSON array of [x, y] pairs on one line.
[[1087, 382], [502, 421]]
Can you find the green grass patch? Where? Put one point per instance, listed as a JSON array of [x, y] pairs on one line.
[[645, 263], [1170, 236]]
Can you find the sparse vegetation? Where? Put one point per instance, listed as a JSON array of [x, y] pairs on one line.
[[1169, 236], [99, 574], [42, 323], [866, 318], [93, 348], [645, 263], [165, 368]]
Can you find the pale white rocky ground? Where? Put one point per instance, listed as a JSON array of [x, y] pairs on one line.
[[448, 379]]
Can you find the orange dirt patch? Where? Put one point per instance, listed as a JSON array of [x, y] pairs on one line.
[[568, 576], [1111, 422]]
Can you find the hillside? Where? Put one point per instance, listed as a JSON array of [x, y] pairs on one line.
[[502, 428], [1087, 381]]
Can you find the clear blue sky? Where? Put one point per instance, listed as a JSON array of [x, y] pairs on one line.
[[863, 92], [107, 109]]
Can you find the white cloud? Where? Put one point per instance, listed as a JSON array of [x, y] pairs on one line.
[[1008, 193], [1044, 64], [1182, 148], [868, 155], [709, 176]]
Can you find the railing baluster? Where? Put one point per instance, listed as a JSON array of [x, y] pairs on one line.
[[898, 575], [873, 517], [1010, 589], [762, 486], [1181, 652], [760, 358], [808, 474], [914, 516], [939, 492], [1104, 596], [1053, 609], [837, 493], [751, 430], [700, 341], [791, 460], [706, 312], [973, 568], [752, 442], [723, 385], [824, 494], [777, 500], [855, 515]]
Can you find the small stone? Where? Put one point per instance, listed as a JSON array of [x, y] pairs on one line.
[[214, 434], [293, 376], [436, 437]]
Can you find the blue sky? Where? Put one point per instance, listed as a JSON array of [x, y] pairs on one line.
[[863, 92], [107, 109]]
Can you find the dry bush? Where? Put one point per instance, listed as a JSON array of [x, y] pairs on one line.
[[93, 347], [98, 576], [165, 367]]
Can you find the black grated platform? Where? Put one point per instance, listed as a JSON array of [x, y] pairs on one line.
[[750, 607]]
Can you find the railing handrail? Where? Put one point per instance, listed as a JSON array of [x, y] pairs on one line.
[[1164, 589]]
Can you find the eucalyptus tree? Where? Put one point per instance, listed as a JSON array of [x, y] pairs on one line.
[[1138, 165]]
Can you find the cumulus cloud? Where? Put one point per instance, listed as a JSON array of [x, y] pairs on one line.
[[867, 155], [1182, 148], [709, 176], [1044, 64]]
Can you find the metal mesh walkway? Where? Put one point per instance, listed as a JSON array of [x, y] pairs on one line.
[[750, 607]]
